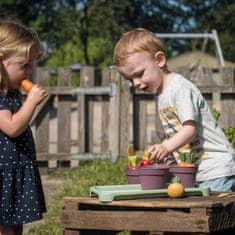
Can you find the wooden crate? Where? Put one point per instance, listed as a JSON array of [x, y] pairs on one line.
[[197, 215]]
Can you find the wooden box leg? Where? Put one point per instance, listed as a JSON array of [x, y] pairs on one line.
[[89, 232], [139, 233]]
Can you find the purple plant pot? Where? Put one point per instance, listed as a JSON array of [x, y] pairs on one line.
[[132, 176], [186, 174], [153, 177]]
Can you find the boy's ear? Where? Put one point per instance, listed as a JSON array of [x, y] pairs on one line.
[[160, 58]]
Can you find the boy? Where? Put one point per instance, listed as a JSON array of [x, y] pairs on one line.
[[186, 118]]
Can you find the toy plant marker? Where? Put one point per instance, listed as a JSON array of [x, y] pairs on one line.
[[145, 159], [132, 158]]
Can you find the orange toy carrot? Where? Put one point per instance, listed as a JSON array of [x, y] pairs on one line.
[[27, 85]]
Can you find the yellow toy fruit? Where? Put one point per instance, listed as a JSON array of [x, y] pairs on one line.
[[176, 188]]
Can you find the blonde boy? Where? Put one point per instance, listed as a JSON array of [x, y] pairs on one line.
[[186, 118]]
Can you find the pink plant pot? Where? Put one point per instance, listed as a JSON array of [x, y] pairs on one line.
[[132, 176], [186, 174], [153, 177]]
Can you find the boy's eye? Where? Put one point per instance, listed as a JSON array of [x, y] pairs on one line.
[[139, 74]]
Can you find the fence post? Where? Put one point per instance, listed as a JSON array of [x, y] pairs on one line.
[[42, 120], [105, 111], [84, 129], [114, 120], [64, 114], [125, 96]]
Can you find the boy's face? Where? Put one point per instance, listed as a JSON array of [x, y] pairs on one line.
[[145, 71]]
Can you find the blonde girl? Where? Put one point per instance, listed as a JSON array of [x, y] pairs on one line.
[[21, 194]]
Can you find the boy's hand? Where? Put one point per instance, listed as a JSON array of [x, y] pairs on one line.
[[158, 152], [36, 94]]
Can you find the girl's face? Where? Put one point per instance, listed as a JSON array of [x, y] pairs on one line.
[[145, 71], [17, 68]]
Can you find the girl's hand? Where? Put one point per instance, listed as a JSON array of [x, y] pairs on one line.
[[36, 94], [158, 152]]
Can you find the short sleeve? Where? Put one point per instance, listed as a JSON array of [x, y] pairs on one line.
[[187, 102], [4, 104]]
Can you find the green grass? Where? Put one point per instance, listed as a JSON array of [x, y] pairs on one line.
[[78, 182]]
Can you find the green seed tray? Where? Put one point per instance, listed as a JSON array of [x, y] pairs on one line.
[[108, 193]]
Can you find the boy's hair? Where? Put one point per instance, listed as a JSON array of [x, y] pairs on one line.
[[17, 38], [135, 41]]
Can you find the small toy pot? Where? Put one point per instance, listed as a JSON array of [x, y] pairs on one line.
[[186, 174], [153, 177], [132, 176]]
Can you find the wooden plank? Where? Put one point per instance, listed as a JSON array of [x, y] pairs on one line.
[[88, 232], [42, 120], [85, 125], [190, 202], [75, 156], [158, 134], [227, 76], [136, 125], [114, 112], [71, 232], [124, 116], [64, 112], [216, 100], [133, 221], [105, 111], [143, 124], [227, 111]]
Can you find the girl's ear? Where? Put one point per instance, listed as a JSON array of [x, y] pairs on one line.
[[160, 59]]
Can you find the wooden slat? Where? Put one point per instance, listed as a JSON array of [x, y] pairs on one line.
[[71, 232], [105, 111], [135, 220], [75, 156], [42, 120], [124, 116], [191, 202], [85, 114], [114, 118], [227, 111], [143, 124], [64, 112]]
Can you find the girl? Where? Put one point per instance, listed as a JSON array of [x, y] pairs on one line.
[[21, 194]]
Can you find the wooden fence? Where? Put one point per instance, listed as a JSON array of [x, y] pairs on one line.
[[104, 114]]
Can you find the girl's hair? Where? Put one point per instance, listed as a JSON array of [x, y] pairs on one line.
[[17, 38], [135, 41]]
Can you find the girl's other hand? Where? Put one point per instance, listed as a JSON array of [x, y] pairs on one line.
[[36, 94]]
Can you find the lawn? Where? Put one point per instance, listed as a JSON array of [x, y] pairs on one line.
[[78, 182]]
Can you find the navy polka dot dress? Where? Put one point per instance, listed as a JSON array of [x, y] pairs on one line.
[[21, 194]]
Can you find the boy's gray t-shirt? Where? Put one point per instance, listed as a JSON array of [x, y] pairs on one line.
[[182, 101]]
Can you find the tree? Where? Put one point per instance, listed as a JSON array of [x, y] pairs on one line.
[[213, 14]]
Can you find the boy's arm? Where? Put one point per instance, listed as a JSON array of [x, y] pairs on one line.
[[184, 136]]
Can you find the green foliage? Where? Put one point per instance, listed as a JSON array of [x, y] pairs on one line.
[[229, 132], [216, 114], [78, 182], [76, 31], [67, 54]]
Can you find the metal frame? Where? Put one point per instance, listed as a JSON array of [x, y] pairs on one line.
[[213, 35]]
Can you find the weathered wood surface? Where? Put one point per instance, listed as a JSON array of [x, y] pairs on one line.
[[187, 202], [191, 214], [134, 221]]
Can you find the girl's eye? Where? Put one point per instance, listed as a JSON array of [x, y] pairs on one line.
[[26, 65]]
